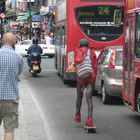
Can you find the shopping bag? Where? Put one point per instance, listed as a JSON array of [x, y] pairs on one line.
[[84, 69]]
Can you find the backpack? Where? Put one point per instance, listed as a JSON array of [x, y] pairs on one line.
[[84, 69]]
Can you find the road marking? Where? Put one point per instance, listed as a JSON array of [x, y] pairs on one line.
[[42, 115]]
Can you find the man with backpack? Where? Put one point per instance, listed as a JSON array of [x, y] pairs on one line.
[[84, 54]]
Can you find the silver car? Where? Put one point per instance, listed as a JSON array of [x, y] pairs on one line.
[[109, 75]]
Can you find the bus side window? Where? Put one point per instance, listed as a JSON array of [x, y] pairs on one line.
[[137, 36], [127, 39], [57, 37], [63, 37]]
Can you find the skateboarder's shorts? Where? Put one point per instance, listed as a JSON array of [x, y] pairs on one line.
[[9, 115]]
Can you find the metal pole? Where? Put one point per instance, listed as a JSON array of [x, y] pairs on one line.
[[30, 20], [52, 2], [1, 29]]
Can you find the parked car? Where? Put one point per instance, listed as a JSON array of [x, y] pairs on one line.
[[21, 47], [109, 76], [48, 49]]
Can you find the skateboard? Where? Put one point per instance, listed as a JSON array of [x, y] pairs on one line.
[[90, 129]]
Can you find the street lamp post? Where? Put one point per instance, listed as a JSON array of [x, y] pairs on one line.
[[30, 20], [2, 16], [1, 28]]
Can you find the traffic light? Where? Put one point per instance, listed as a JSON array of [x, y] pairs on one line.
[[2, 6], [53, 13], [52, 21]]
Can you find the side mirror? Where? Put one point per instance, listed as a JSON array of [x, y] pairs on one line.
[[117, 18], [26, 49]]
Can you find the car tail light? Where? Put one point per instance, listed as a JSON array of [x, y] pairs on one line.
[[35, 62], [44, 47], [113, 59]]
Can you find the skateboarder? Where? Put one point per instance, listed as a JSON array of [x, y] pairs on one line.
[[87, 83]]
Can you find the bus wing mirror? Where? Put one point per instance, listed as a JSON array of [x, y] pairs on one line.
[[117, 18]]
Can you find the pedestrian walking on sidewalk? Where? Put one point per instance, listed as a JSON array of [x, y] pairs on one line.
[[11, 65], [85, 53]]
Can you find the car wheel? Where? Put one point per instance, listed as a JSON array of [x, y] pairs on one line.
[[138, 102], [106, 99], [50, 56], [34, 74]]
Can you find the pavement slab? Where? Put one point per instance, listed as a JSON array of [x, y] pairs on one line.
[[31, 123]]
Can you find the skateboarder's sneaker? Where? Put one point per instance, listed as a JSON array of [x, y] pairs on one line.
[[77, 118], [89, 122]]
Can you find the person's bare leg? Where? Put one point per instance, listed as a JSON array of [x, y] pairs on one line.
[[9, 136], [80, 91], [89, 100]]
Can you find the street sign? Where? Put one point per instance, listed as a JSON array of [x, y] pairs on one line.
[[2, 15], [36, 18]]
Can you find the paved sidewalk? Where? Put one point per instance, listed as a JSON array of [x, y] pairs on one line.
[[31, 123]]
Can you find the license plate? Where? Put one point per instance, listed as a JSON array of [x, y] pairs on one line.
[[35, 67]]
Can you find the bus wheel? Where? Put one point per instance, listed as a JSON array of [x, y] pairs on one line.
[[64, 80], [138, 102], [106, 99]]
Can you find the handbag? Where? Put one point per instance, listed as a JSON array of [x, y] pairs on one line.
[[84, 69]]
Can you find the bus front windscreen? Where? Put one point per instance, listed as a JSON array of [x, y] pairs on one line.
[[101, 22]]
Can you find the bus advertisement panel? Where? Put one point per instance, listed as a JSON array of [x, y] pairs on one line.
[[101, 22], [131, 72]]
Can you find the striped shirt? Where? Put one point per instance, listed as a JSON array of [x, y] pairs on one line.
[[11, 65]]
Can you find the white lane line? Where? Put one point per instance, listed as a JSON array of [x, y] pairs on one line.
[[42, 115]]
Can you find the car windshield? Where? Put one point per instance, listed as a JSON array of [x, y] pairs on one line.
[[47, 40], [43, 41], [28, 42]]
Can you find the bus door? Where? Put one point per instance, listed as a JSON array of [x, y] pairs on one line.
[[129, 53], [57, 49], [60, 48], [63, 50]]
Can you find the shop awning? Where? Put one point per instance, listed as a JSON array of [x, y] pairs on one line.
[[21, 18], [32, 13], [11, 13], [25, 16]]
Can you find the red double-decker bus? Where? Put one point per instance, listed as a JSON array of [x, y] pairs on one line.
[[101, 22], [131, 80]]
